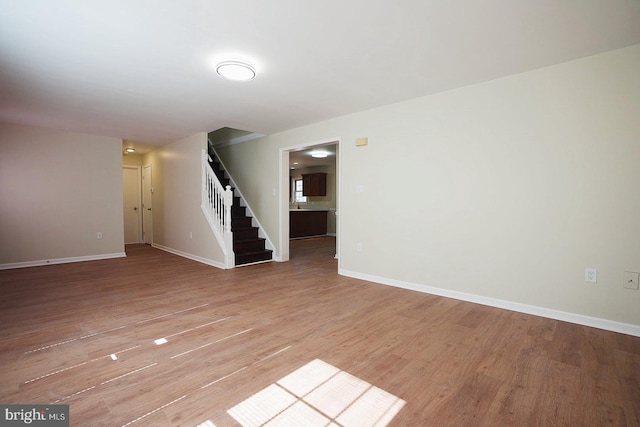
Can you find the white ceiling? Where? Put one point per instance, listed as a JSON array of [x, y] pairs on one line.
[[302, 159], [142, 70]]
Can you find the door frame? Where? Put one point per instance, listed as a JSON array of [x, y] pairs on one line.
[[139, 197], [283, 182]]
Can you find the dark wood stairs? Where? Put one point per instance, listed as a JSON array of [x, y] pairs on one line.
[[248, 246]]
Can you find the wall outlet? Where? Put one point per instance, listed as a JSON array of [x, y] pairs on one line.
[[359, 247], [630, 279], [99, 235], [591, 275]]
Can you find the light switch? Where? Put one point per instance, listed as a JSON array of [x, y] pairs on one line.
[[361, 142]]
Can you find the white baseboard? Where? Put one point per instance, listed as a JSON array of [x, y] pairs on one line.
[[41, 262], [197, 258], [580, 319]]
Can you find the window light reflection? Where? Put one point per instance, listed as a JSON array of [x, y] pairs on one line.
[[318, 394]]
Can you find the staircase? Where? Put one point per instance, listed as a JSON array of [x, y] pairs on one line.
[[248, 247]]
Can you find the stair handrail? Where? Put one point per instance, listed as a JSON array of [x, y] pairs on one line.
[[216, 204]]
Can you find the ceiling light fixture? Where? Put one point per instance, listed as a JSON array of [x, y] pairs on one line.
[[319, 154], [129, 149], [236, 70]]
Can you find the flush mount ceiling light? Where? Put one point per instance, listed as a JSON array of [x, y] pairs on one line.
[[236, 70], [319, 154], [130, 149]]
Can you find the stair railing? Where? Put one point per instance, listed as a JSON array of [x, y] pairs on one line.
[[216, 204]]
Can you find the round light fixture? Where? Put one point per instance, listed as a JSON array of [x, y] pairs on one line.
[[319, 154], [130, 149], [236, 70]]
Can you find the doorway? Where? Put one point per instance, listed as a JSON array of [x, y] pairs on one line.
[[286, 193], [147, 205], [131, 204]]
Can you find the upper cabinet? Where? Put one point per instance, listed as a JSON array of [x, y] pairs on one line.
[[314, 184]]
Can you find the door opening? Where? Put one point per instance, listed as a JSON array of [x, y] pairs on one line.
[[330, 202], [147, 205], [131, 204]]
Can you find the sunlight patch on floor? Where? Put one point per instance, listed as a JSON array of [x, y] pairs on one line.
[[318, 394]]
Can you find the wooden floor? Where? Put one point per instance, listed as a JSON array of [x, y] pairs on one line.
[[83, 334]]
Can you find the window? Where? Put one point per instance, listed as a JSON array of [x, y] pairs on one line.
[[297, 192]]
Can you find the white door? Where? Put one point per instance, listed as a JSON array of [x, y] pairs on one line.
[[131, 203], [147, 213]]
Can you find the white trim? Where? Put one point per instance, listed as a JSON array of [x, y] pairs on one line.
[[197, 258], [38, 263], [580, 319]]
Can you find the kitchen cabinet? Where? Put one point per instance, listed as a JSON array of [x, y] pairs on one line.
[[305, 223], [314, 184]]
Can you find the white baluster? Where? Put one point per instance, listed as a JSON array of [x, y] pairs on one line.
[[217, 203]]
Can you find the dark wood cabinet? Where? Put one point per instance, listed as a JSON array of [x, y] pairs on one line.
[[303, 223], [314, 184]]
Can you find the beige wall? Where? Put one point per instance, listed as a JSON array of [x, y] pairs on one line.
[[57, 191], [179, 225], [129, 159], [505, 190]]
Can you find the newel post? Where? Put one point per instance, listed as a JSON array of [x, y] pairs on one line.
[[228, 202]]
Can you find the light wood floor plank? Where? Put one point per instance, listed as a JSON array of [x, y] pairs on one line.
[[83, 334]]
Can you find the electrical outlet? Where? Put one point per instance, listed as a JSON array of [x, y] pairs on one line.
[[359, 247], [630, 280], [99, 235], [591, 275]]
